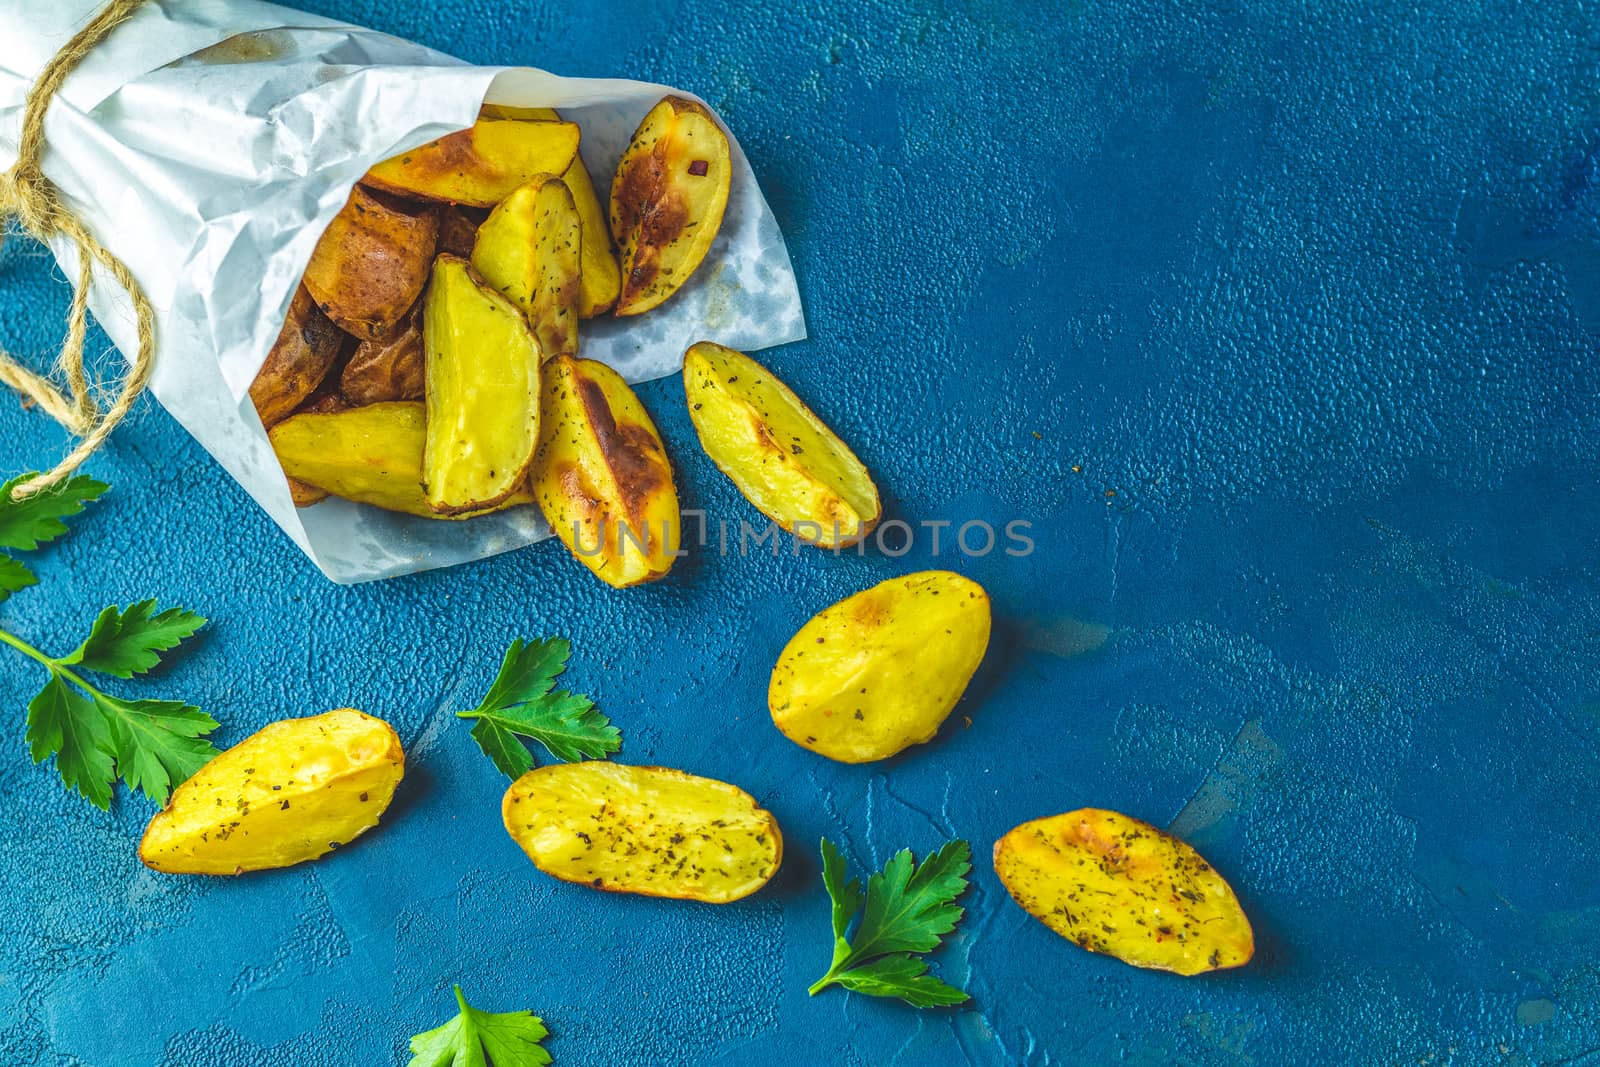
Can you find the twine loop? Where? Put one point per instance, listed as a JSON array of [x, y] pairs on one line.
[[30, 198]]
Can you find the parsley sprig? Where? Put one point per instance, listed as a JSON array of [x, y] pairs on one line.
[[474, 1038], [523, 702], [97, 737], [909, 908]]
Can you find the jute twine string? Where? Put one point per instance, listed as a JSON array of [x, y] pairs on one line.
[[27, 195]]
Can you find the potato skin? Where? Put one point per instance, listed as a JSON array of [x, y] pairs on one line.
[[371, 263], [667, 201], [481, 165], [783, 458], [881, 670], [371, 455], [458, 229], [648, 830], [291, 792], [1112, 884], [307, 348], [385, 368], [601, 469]]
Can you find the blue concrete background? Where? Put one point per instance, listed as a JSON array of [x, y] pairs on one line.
[[1275, 319]]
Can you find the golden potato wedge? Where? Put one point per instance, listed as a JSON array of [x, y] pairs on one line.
[[529, 250], [371, 454], [304, 494], [601, 474], [371, 263], [291, 792], [649, 830], [307, 348], [601, 280], [390, 367], [784, 459], [1113, 884], [667, 200], [482, 392], [458, 229], [481, 165], [879, 671]]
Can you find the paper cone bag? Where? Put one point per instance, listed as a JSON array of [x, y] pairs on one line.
[[207, 143]]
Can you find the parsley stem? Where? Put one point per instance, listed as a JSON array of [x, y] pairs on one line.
[[54, 665]]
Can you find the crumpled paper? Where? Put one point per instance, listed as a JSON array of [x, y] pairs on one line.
[[207, 143]]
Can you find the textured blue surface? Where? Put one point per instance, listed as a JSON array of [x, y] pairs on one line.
[[1274, 318]]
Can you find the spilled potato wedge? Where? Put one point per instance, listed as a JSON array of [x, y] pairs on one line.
[[371, 455], [529, 250], [879, 671], [601, 474], [784, 459], [293, 791], [482, 392], [649, 830], [307, 348], [371, 263], [388, 367], [1113, 884], [481, 165], [667, 200]]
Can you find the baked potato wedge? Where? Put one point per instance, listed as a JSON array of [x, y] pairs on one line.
[[371, 263], [304, 494], [648, 830], [529, 249], [482, 392], [481, 165], [784, 459], [371, 455], [307, 348], [293, 791], [458, 229], [667, 200], [1113, 884], [879, 671], [601, 474], [385, 368]]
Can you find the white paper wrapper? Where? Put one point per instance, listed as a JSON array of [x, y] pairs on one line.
[[207, 143]]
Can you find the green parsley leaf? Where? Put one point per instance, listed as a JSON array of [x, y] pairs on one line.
[[66, 724], [27, 524], [126, 643], [158, 743], [909, 908], [523, 702], [14, 576], [482, 1039]]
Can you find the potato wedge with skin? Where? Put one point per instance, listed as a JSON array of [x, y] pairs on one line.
[[371, 263], [481, 165], [291, 792], [1110, 883], [667, 200], [880, 671], [458, 229], [648, 830], [601, 474], [482, 392], [307, 348], [784, 459], [371, 455], [385, 368], [304, 494], [529, 249]]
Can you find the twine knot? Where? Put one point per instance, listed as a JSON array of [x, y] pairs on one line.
[[30, 198]]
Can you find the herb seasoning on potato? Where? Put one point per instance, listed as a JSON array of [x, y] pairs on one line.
[[293, 791], [784, 459], [648, 830], [667, 200], [879, 671], [1113, 884]]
